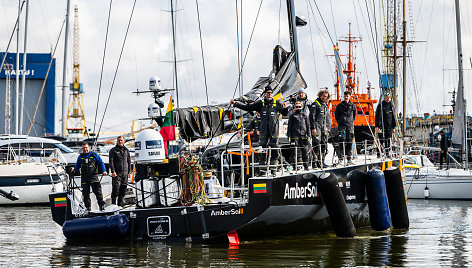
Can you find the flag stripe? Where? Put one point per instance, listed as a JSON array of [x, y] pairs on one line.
[[60, 199], [260, 191], [60, 205]]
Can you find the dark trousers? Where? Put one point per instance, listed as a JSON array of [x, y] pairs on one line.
[[299, 147], [443, 158], [344, 146], [271, 142], [93, 183], [320, 145], [119, 184], [385, 139]]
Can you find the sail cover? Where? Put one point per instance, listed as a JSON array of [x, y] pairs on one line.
[[211, 121], [458, 123]]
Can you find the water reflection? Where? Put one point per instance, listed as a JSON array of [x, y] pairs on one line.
[[440, 235]]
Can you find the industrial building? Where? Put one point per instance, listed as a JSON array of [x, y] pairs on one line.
[[37, 75]]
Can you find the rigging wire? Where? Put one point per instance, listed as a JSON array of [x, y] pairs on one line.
[[425, 65], [312, 47], [237, 42], [278, 27], [101, 71], [247, 49], [326, 27], [203, 58], [45, 79], [334, 21], [116, 71], [361, 43], [321, 40], [212, 134], [9, 41]]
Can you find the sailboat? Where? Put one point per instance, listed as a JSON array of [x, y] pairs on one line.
[[30, 167], [218, 194], [423, 179]]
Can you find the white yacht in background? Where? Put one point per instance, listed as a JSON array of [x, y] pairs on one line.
[[425, 180], [32, 168], [15, 147]]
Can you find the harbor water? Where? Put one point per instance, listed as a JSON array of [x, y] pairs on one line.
[[440, 234]]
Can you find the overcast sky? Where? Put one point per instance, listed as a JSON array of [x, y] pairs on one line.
[[148, 49]]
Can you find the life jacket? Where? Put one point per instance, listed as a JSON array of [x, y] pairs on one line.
[[269, 119], [88, 165]]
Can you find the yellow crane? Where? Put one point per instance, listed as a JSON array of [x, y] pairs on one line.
[[75, 123]]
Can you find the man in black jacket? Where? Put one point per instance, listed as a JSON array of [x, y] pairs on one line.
[[345, 114], [253, 129], [298, 131], [120, 167], [269, 125], [385, 121], [320, 122], [444, 144]]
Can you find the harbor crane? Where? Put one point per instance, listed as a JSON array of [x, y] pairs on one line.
[[75, 122]]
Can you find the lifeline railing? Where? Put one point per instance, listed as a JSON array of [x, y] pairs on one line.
[[368, 154]]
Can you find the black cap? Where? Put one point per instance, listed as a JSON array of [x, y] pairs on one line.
[[267, 88], [441, 131]]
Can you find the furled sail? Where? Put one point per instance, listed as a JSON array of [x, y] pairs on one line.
[[210, 121], [458, 123]]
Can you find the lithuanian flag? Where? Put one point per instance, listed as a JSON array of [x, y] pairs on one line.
[[168, 127], [260, 188], [60, 202]]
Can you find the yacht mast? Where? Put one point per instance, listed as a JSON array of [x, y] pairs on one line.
[[175, 55], [404, 70], [460, 113], [17, 77], [293, 31], [23, 81], [64, 68]]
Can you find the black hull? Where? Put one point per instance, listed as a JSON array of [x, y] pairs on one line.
[[277, 206]]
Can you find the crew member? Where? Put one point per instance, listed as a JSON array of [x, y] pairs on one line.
[[269, 125], [345, 114], [302, 97], [444, 144], [320, 122], [298, 131], [90, 164], [385, 121], [253, 129], [120, 168]]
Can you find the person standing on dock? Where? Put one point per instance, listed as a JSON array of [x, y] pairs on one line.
[[298, 131], [120, 168], [444, 144], [89, 163], [320, 122], [269, 109], [385, 122], [345, 114]]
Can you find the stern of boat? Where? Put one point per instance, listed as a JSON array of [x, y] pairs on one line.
[[61, 208]]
